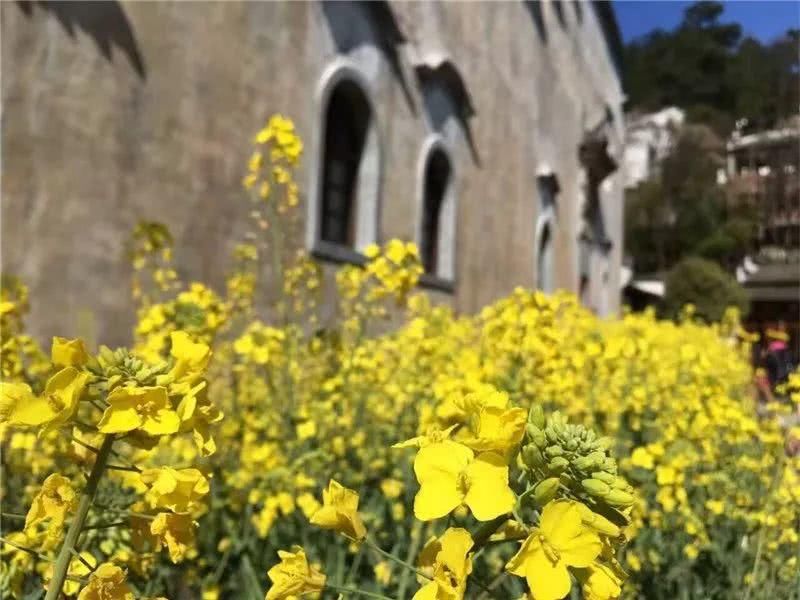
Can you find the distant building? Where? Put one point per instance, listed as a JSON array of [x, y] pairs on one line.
[[489, 132], [648, 141], [762, 172], [649, 138]]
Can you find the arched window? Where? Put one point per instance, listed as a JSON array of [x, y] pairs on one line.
[[437, 180], [545, 267], [347, 124]]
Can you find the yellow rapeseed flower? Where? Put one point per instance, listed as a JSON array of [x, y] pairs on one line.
[[107, 583], [601, 582], [63, 392], [450, 475], [642, 458], [20, 407], [68, 353], [55, 500], [179, 490], [497, 429], [560, 541], [145, 408], [308, 504], [447, 560], [293, 576], [340, 512], [176, 531]]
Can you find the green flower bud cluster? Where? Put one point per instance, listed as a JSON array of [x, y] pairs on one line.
[[568, 460], [118, 367]]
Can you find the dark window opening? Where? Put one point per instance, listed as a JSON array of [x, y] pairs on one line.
[[545, 266], [437, 180], [346, 124]]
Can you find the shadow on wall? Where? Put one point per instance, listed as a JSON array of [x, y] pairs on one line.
[[342, 15], [103, 20], [535, 11], [441, 72]]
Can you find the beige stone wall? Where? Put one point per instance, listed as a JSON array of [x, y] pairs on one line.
[[114, 113]]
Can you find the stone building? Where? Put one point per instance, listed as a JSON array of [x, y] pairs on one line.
[[489, 132]]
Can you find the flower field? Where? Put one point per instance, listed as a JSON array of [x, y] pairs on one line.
[[392, 449]]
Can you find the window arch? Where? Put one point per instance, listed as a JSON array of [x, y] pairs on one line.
[[346, 124], [345, 179], [436, 223]]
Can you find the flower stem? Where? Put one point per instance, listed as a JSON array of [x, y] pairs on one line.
[[485, 531], [65, 553], [357, 592], [105, 525], [392, 557], [413, 548]]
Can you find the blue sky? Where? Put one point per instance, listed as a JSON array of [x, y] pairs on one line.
[[763, 19]]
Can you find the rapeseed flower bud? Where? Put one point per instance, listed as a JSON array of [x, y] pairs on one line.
[[68, 353]]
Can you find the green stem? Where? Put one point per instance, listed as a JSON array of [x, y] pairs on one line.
[[65, 553], [6, 515], [776, 478], [393, 558], [123, 468], [413, 548], [355, 566], [105, 525], [498, 579], [86, 564], [357, 592], [486, 530]]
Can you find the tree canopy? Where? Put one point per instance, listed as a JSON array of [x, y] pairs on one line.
[[706, 67]]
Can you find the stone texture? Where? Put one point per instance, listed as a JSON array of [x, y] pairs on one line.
[[117, 112]]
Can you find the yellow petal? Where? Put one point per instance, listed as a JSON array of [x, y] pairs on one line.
[[119, 419], [19, 406], [164, 422], [581, 550], [427, 592], [456, 544], [445, 458], [437, 498], [489, 495], [548, 580], [561, 521], [68, 353]]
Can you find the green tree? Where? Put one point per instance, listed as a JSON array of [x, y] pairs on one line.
[[706, 285], [705, 67], [683, 210]]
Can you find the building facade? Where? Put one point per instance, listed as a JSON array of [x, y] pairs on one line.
[[490, 133], [762, 172], [649, 138]]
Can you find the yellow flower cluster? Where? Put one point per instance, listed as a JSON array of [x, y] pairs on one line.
[[127, 407], [379, 445]]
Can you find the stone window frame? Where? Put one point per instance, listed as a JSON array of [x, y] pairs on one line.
[[444, 279], [368, 207]]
